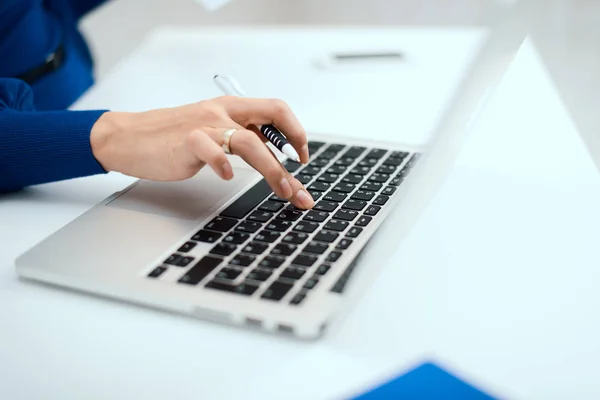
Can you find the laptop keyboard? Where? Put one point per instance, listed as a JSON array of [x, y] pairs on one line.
[[266, 247]]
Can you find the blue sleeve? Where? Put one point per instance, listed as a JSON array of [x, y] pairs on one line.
[[40, 147], [82, 7]]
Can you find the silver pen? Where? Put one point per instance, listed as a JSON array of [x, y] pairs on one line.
[[231, 87]]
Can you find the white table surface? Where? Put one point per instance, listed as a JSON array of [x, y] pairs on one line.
[[497, 282]]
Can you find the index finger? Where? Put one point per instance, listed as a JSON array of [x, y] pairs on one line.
[[246, 111]]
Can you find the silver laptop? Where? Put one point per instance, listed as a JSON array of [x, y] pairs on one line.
[[237, 254]]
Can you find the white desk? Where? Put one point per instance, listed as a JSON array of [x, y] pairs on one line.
[[498, 280]]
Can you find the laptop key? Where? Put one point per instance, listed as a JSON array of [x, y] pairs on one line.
[[283, 249], [173, 259], [200, 270], [368, 162], [255, 248], [297, 299], [242, 260], [320, 162], [353, 204], [277, 290], [336, 147], [304, 179], [354, 232], [249, 226], [396, 181], [325, 206], [156, 272], [228, 273], [223, 249], [342, 281], [259, 274], [354, 151], [371, 186], [381, 200], [363, 195], [399, 154], [372, 210], [315, 194], [306, 226], [386, 169], [352, 178], [333, 256], [246, 288], [267, 236], [328, 178], [306, 260], [335, 225], [379, 177], [344, 187], [335, 196], [326, 236], [337, 169], [314, 145], [271, 206], [360, 170], [293, 273], [289, 215], [206, 236], [271, 262], [184, 261], [319, 186], [389, 190], [346, 215], [311, 283], [187, 246], [376, 153], [344, 244], [315, 248], [277, 198], [260, 216], [310, 170], [322, 269], [291, 165], [248, 201], [221, 224], [236, 237], [345, 161], [393, 161], [295, 238], [315, 216], [363, 220], [279, 225]]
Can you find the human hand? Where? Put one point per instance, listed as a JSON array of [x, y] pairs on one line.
[[173, 144]]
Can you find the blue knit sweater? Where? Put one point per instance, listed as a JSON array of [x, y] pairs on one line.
[[39, 140]]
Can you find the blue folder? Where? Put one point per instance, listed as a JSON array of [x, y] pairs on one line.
[[425, 382]]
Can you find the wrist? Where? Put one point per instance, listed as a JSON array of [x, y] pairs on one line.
[[103, 136]]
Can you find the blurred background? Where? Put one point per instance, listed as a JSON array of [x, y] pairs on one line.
[[567, 37]]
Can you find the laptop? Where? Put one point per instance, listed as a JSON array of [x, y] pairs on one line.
[[232, 252]]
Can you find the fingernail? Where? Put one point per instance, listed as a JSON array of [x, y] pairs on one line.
[[304, 199], [227, 171], [286, 189]]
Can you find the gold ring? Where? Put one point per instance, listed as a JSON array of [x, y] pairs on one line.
[[226, 139]]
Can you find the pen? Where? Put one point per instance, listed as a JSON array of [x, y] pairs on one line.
[[231, 87]]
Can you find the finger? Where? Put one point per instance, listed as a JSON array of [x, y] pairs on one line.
[[251, 149], [208, 151], [247, 111]]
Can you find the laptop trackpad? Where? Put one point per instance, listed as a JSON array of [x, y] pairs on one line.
[[192, 199]]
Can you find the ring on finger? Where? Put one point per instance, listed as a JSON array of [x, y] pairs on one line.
[[227, 139]]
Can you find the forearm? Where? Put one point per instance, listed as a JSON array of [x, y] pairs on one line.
[[41, 147]]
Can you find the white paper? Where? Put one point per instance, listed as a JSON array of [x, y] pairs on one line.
[[212, 5]]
